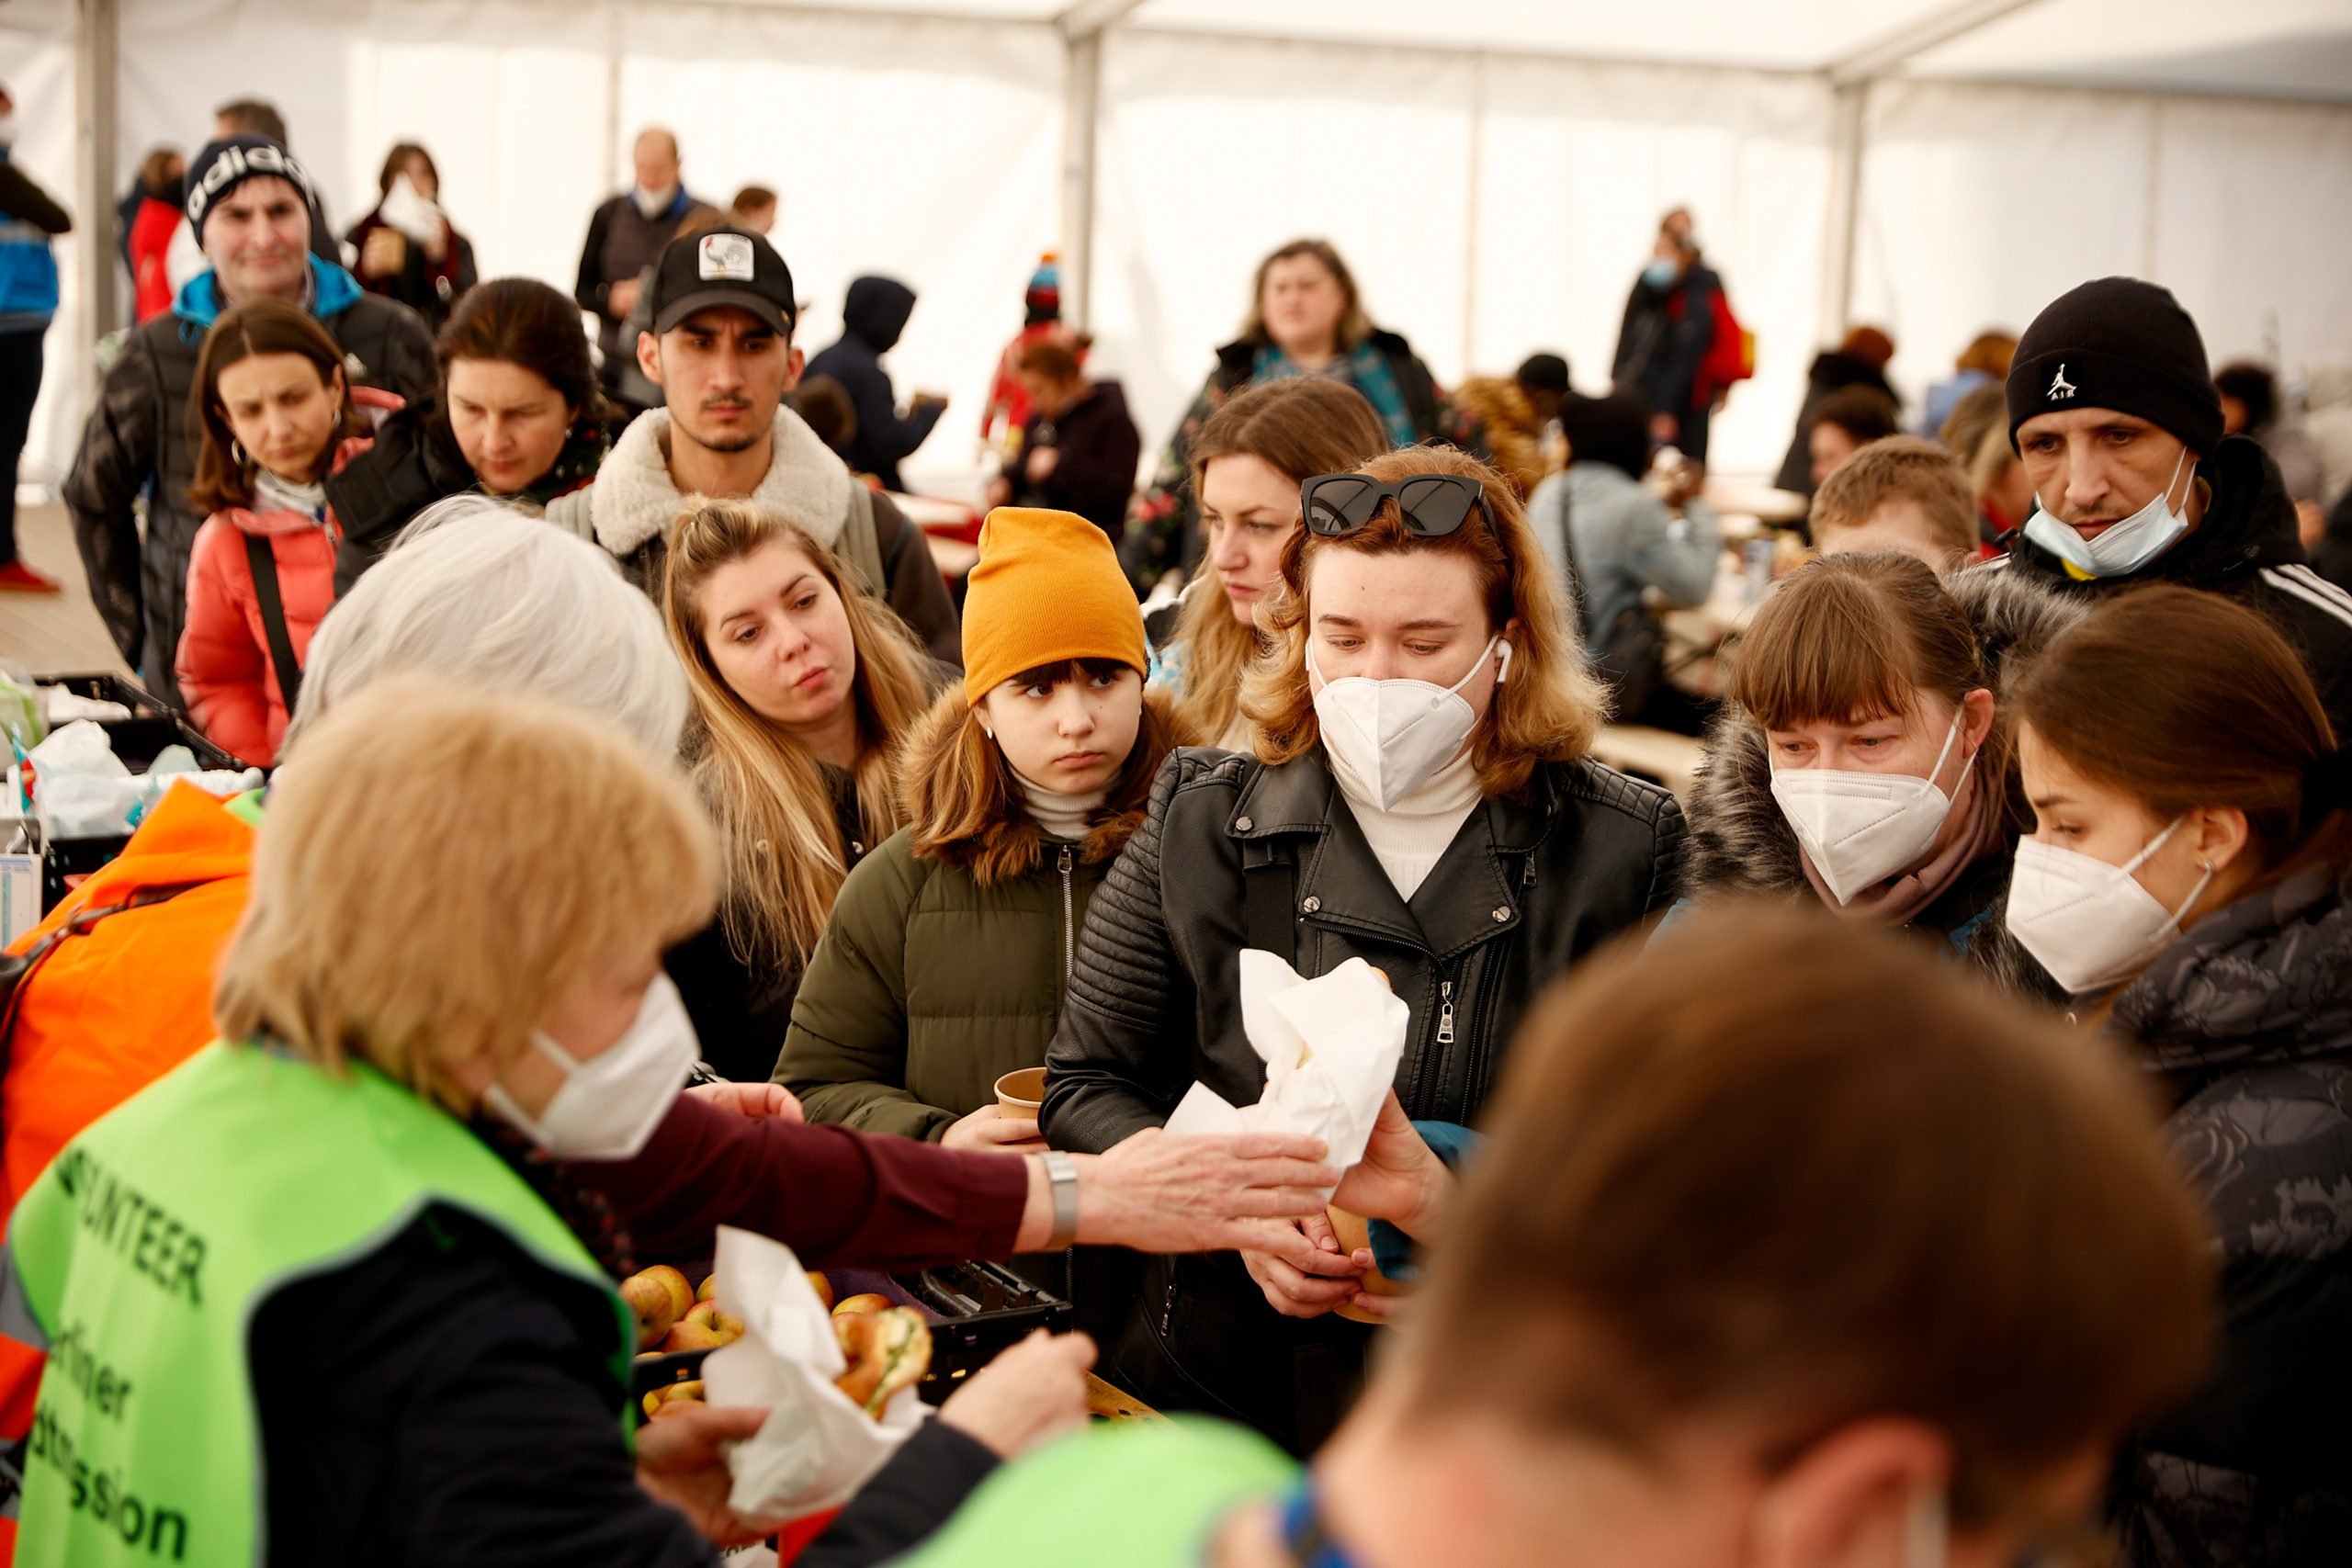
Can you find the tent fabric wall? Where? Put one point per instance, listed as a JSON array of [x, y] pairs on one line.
[[930, 151], [1488, 208], [1981, 204], [1490, 204]]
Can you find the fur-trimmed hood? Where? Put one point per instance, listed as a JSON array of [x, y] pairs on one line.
[[634, 500], [1739, 841], [927, 756]]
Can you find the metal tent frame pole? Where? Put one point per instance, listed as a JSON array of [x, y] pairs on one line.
[[1850, 79], [96, 82], [1081, 27]]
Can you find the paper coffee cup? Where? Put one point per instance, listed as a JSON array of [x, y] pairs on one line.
[[1353, 1234], [1021, 1093]]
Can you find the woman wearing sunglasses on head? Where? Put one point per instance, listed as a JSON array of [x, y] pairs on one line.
[[1419, 796], [2189, 880]]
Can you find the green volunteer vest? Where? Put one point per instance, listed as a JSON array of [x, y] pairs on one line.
[[148, 1245]]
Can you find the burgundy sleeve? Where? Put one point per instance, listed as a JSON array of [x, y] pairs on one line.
[[840, 1198]]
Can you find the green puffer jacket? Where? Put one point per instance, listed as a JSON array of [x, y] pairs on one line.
[[929, 984]]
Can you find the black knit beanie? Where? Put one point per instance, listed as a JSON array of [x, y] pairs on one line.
[[2121, 344]]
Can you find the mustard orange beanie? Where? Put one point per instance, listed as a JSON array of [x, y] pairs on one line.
[[1048, 589]]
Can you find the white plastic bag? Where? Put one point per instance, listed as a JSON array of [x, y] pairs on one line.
[[816, 1448], [81, 747]]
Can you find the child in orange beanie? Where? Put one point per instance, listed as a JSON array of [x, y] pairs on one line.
[[943, 968]]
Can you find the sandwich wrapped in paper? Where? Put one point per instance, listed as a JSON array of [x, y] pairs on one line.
[[819, 1444], [1331, 1046]]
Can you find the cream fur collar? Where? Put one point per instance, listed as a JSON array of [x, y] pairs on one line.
[[635, 500]]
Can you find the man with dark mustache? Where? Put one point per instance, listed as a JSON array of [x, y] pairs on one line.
[[722, 351]]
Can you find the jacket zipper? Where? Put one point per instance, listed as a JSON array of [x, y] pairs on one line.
[[1069, 936], [1445, 1013]]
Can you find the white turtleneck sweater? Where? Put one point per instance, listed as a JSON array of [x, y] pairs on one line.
[[1066, 818], [1411, 836]]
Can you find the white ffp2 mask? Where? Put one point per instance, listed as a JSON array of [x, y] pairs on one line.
[[607, 1107], [2126, 547], [1394, 735], [1859, 828], [2089, 923]]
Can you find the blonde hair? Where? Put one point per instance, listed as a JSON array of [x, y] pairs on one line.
[[1301, 426], [783, 857], [959, 796], [1550, 708], [1901, 467], [527, 845]]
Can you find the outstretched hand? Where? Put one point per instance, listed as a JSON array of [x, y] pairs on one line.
[[1164, 1192]]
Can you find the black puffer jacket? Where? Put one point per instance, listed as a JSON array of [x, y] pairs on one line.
[[1230, 845], [2246, 547], [415, 462], [2247, 1019], [1741, 843], [873, 317]]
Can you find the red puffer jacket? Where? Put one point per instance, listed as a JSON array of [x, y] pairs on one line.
[[224, 665]]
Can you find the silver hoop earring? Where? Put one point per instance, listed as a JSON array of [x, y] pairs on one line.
[[236, 453]]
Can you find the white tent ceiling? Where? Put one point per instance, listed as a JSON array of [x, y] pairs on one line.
[[1491, 167], [2293, 48]]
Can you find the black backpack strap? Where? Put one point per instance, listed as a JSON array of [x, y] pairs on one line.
[[1268, 920], [263, 562]]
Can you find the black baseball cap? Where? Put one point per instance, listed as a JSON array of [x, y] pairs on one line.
[[723, 266]]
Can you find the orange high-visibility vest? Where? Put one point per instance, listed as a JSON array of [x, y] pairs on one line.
[[112, 1010]]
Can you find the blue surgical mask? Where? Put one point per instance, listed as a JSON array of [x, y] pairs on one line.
[[1659, 274], [2126, 545]]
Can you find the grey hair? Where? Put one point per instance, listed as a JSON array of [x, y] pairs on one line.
[[479, 591]]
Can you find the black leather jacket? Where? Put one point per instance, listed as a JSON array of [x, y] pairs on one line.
[[1526, 888]]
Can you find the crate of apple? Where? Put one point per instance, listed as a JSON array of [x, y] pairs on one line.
[[975, 1310], [678, 1323]]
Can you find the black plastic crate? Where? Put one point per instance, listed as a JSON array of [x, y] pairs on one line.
[[151, 727], [103, 688], [150, 730], [975, 1311]]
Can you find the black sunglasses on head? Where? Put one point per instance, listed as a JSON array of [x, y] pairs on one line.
[[1429, 505]]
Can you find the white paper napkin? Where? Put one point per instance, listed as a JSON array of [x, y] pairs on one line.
[[1331, 1046], [816, 1448]]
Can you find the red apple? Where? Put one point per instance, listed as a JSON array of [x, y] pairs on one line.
[[653, 1304]]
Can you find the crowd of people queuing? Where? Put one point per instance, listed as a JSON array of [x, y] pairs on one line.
[[1928, 1141]]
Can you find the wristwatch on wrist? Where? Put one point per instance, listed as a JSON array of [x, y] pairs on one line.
[[1063, 1173]]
